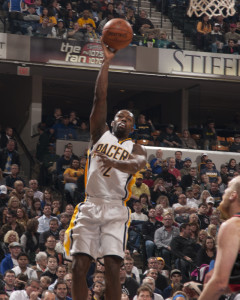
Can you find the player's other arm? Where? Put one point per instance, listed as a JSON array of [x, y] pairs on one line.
[[136, 161], [99, 110], [228, 247]]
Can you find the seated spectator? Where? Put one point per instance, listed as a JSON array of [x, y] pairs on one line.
[[35, 210], [178, 160], [9, 278], [176, 278], [30, 291], [22, 268], [235, 147], [48, 295], [30, 240], [85, 19], [53, 231], [142, 23], [232, 167], [144, 129], [145, 202], [71, 176], [128, 284], [140, 188], [182, 210], [12, 224], [194, 228], [202, 165], [148, 178], [130, 16], [148, 230], [64, 130], [150, 40], [38, 5], [168, 138], [185, 250], [47, 197], [213, 174], [22, 217], [163, 42], [224, 24], [209, 134], [68, 280], [172, 169], [204, 195], [203, 28], [163, 200], [55, 9], [95, 13], [156, 163], [50, 245], [169, 179], [44, 30], [214, 39], [10, 259], [90, 35], [207, 252], [83, 132], [59, 31], [191, 201], [190, 179], [52, 21], [69, 209], [6, 136], [160, 280], [61, 272], [150, 282], [59, 246], [70, 18], [33, 184], [56, 207], [98, 290], [144, 291], [14, 203], [205, 183], [187, 141], [41, 263], [55, 118], [212, 231], [64, 220], [17, 193], [10, 237], [30, 21], [9, 156], [45, 282], [52, 264], [231, 47], [110, 10], [65, 161], [60, 290], [44, 220], [163, 237], [202, 216], [12, 177]]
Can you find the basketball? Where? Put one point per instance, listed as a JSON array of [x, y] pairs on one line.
[[117, 33]]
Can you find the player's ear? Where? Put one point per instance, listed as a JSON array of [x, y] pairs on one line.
[[112, 123]]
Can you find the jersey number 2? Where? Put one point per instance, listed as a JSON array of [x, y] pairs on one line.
[[106, 172]]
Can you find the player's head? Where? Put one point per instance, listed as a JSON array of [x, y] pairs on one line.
[[123, 123], [231, 197]]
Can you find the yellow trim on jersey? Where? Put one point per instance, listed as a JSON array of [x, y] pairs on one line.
[[67, 238], [128, 139], [129, 188]]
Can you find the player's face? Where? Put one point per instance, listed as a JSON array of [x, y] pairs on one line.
[[123, 123]]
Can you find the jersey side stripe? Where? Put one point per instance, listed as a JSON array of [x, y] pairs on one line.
[[68, 233], [128, 188], [127, 224]]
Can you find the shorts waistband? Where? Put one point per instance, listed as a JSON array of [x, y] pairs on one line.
[[105, 201]]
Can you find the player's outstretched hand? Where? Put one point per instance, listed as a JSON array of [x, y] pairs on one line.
[[106, 162], [108, 54]]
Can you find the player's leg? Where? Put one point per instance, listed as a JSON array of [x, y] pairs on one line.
[[112, 276], [80, 266]]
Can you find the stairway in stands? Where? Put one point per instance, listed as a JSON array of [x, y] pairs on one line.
[[166, 25]]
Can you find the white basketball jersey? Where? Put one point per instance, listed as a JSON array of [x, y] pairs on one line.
[[109, 184]]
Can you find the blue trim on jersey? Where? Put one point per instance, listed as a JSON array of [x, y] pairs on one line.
[[125, 188], [125, 231]]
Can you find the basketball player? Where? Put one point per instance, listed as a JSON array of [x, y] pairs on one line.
[[99, 226], [226, 272]]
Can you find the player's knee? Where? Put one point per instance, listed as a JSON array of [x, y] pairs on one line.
[[81, 264]]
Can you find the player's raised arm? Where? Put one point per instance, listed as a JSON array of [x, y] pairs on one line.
[[136, 161], [99, 110]]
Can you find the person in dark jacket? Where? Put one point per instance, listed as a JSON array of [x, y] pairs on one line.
[[184, 248], [9, 156]]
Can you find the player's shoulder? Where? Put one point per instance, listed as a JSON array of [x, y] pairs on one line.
[[230, 225]]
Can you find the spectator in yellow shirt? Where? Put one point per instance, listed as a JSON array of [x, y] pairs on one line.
[[71, 176], [140, 188], [86, 20]]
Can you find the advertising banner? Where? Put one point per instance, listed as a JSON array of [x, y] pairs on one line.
[[75, 53]]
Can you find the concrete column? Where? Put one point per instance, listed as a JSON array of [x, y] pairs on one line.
[[184, 109]]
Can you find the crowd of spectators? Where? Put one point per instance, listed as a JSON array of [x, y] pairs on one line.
[[174, 224]]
